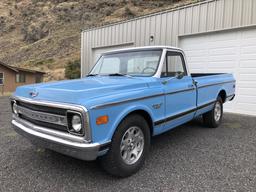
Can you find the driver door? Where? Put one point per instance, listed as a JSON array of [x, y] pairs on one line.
[[180, 92]]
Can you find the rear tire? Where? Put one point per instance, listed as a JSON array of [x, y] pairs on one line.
[[129, 147], [213, 118]]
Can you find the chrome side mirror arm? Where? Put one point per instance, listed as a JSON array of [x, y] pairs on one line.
[[167, 80]]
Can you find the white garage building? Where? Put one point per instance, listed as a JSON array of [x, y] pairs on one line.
[[217, 36]]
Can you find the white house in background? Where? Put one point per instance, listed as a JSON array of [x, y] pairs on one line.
[[217, 36]]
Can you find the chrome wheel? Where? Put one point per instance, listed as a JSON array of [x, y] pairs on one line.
[[217, 111], [132, 145]]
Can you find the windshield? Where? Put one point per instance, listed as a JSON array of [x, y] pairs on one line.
[[133, 63]]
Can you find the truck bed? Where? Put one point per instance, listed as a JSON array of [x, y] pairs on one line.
[[210, 84], [205, 79], [205, 74]]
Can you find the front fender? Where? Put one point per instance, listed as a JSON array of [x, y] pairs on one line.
[[104, 133], [125, 112]]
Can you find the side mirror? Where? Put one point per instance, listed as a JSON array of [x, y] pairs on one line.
[[179, 75]]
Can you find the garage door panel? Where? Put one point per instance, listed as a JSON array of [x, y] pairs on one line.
[[244, 99], [247, 70], [247, 108], [221, 58], [223, 51], [246, 84], [199, 70], [195, 46], [229, 107], [247, 91], [228, 52], [222, 36], [222, 44], [248, 63], [248, 77], [248, 42], [245, 111], [222, 64], [248, 50], [197, 53], [194, 39], [200, 60], [248, 39], [218, 70], [245, 57], [196, 67], [248, 34]]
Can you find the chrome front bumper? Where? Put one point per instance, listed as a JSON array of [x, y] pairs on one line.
[[68, 145]]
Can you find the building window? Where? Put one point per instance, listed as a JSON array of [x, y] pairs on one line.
[[39, 78], [20, 78], [1, 78]]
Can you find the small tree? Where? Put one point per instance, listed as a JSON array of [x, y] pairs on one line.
[[72, 69]]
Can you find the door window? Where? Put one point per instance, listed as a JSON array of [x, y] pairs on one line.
[[174, 64]]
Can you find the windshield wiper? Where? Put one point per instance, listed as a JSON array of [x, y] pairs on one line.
[[119, 74], [91, 75], [111, 74]]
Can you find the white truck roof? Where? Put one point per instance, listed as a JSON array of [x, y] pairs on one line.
[[143, 48]]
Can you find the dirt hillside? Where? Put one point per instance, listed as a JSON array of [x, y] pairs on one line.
[[45, 35]]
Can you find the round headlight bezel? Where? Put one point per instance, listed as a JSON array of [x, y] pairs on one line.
[[15, 108], [72, 130]]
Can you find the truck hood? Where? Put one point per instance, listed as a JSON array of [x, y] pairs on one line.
[[81, 90]]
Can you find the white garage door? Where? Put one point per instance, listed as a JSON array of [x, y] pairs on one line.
[[229, 52]]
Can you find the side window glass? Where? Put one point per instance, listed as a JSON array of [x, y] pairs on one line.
[[173, 65]]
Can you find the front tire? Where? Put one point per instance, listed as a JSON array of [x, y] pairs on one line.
[[213, 118], [129, 147]]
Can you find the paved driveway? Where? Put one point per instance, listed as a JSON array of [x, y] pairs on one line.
[[188, 158]]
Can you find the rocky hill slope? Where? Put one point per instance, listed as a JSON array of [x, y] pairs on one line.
[[45, 35]]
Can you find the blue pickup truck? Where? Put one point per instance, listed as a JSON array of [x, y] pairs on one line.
[[128, 97]]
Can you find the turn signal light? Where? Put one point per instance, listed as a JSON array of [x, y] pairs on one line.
[[102, 120]]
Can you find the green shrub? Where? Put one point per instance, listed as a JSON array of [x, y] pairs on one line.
[[72, 69]]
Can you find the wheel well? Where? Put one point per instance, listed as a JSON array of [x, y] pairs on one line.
[[146, 116], [223, 95]]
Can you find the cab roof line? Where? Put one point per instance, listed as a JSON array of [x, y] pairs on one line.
[[142, 48]]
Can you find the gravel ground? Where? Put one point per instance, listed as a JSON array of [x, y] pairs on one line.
[[188, 158]]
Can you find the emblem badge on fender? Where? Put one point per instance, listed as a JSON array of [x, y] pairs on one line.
[[157, 106], [33, 94]]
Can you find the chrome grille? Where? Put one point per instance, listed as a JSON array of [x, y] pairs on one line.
[[41, 108], [42, 116], [51, 115]]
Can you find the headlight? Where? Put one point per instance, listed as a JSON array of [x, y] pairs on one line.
[[76, 123], [15, 108]]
